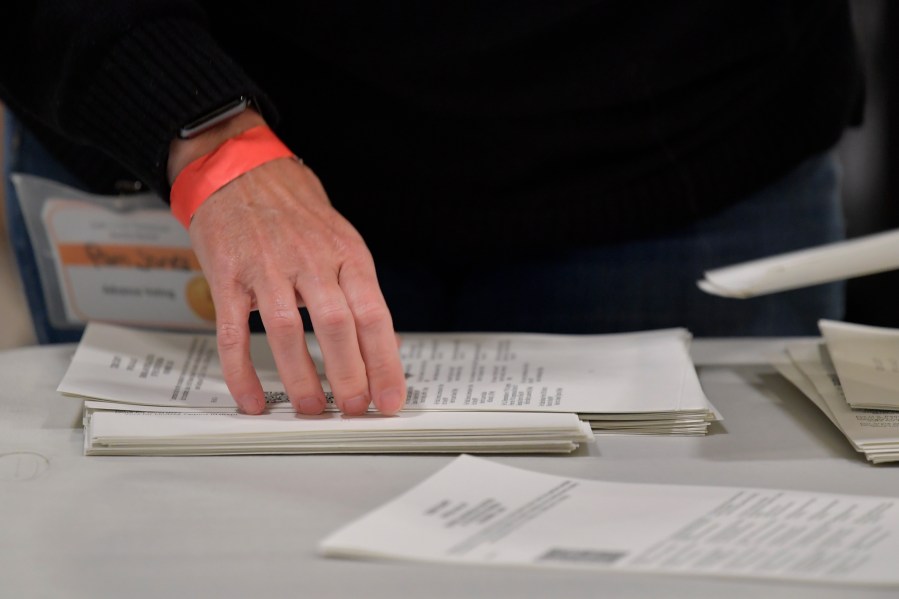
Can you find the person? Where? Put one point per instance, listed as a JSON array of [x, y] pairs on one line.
[[566, 167]]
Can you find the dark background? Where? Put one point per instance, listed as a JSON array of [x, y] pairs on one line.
[[869, 154], [870, 157]]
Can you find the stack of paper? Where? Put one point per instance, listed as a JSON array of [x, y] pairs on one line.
[[113, 432], [849, 376], [466, 392], [478, 512], [866, 359]]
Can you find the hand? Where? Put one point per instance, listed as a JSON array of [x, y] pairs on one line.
[[270, 240]]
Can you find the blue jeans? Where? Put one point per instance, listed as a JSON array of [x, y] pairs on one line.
[[639, 285]]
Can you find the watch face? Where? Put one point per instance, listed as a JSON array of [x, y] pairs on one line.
[[213, 118]]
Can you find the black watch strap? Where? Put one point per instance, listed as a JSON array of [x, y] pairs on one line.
[[214, 117]]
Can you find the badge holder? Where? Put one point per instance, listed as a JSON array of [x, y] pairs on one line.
[[121, 259]]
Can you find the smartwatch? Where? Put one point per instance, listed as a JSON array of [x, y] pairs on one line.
[[214, 117]]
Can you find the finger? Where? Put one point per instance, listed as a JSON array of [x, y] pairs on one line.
[[377, 341], [335, 330], [284, 331], [233, 337]]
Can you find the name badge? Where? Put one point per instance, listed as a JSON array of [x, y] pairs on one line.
[[122, 259]]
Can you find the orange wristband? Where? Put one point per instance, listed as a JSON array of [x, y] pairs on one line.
[[207, 174]]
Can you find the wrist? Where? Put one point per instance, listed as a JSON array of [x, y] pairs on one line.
[[228, 160], [184, 151]]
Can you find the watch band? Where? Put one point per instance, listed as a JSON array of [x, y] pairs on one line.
[[214, 117]]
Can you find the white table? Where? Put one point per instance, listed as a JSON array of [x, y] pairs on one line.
[[221, 527]]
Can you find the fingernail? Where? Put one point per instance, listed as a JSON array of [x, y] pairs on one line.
[[391, 401], [252, 405], [311, 406], [356, 405]]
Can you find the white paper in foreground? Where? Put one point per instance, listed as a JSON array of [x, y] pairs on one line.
[[832, 262], [479, 512], [625, 373]]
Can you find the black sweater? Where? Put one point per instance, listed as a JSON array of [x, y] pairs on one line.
[[517, 124]]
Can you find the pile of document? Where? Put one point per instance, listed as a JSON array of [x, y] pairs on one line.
[[161, 393], [852, 375], [478, 512], [115, 432]]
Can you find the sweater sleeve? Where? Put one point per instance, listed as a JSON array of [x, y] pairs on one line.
[[121, 76]]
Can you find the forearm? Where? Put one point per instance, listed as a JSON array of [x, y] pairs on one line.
[[124, 81]]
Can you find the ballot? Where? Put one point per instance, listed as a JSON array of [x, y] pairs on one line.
[[875, 433], [476, 511], [831, 262], [866, 359], [851, 376], [642, 383], [143, 432]]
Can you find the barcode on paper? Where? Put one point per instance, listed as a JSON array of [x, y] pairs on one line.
[[591, 556]]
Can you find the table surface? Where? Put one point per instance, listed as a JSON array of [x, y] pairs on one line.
[[72, 526]]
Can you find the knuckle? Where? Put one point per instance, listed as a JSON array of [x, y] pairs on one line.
[[228, 270], [283, 321], [356, 247], [334, 316], [229, 336], [348, 244], [357, 255], [371, 315], [223, 267]]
